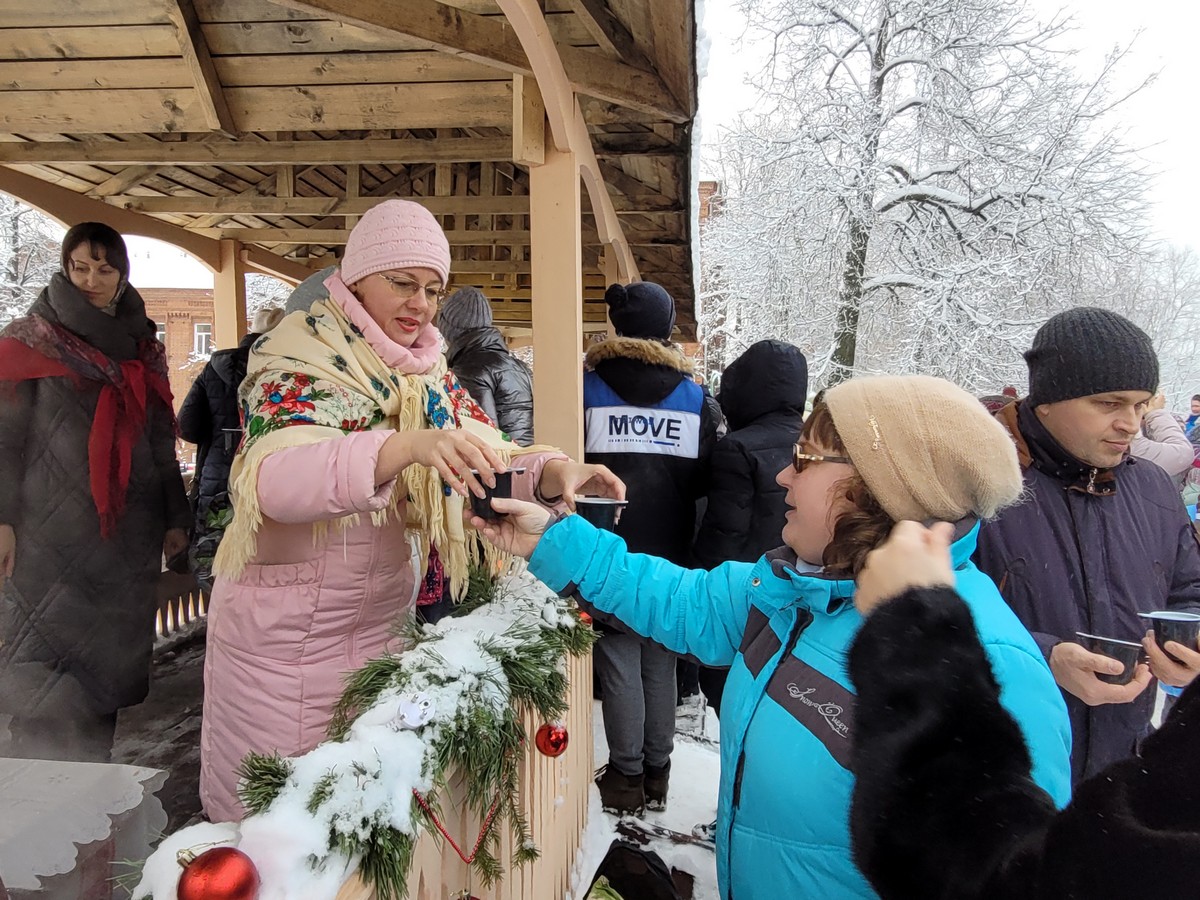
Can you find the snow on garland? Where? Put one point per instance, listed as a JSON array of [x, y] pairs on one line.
[[349, 803]]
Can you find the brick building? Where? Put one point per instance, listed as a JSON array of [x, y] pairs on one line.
[[184, 317], [710, 199]]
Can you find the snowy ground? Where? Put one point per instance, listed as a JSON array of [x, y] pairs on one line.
[[692, 799]]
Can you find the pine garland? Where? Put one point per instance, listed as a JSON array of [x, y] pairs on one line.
[[482, 738]]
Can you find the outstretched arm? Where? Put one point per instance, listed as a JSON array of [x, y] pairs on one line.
[[689, 611]]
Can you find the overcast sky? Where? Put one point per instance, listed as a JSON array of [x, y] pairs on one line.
[[1162, 120]]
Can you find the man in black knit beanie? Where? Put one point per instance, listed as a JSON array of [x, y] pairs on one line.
[[1101, 536]]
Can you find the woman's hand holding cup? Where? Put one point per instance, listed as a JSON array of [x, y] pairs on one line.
[[519, 531], [452, 452], [565, 478]]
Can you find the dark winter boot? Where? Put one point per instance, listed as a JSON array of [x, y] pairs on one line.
[[621, 795], [656, 786]]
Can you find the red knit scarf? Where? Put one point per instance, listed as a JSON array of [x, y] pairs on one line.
[[121, 411]]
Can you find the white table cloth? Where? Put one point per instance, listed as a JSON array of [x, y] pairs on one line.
[[63, 825]]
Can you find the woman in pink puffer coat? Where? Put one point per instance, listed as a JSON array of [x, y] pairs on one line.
[[357, 456]]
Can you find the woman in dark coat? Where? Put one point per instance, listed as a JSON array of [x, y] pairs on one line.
[[90, 500], [944, 805], [210, 418]]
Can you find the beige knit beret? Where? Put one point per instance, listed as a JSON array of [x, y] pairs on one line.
[[925, 447]]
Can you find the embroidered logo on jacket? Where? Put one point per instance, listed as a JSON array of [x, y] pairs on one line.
[[816, 701], [830, 712]]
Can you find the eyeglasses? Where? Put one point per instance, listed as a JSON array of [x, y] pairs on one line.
[[405, 288], [800, 459]]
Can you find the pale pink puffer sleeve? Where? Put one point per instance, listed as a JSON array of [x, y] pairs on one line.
[[322, 481], [524, 486]]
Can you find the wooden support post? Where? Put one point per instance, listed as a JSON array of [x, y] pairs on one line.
[[556, 254], [229, 296]]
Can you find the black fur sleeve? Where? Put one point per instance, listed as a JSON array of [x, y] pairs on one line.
[[944, 805]]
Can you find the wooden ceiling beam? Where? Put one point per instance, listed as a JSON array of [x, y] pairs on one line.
[[489, 40], [264, 187], [199, 61], [268, 263], [336, 107], [337, 236], [643, 203], [259, 153], [609, 31], [314, 206], [123, 181]]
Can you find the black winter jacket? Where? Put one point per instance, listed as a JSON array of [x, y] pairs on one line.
[[1087, 550], [210, 418], [662, 482], [496, 380], [762, 395], [944, 805], [77, 617]]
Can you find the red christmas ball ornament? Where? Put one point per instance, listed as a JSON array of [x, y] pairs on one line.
[[551, 739], [584, 617], [222, 873]]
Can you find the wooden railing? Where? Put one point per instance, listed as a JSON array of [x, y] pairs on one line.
[[554, 796], [180, 602], [554, 792]]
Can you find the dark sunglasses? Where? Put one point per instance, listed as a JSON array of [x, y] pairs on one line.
[[800, 459]]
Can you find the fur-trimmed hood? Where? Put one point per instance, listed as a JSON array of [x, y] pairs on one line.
[[643, 372], [653, 353]]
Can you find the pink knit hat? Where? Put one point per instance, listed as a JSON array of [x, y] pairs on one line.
[[396, 234]]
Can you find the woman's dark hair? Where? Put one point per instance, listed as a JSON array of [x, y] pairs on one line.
[[97, 236], [1196, 396], [864, 527]]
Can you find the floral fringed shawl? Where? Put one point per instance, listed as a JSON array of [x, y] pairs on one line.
[[316, 377]]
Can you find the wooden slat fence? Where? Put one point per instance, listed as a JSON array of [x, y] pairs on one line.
[[554, 794]]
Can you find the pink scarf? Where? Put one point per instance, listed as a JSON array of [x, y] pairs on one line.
[[415, 360]]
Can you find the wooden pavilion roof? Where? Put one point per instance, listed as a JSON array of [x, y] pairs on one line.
[[276, 124]]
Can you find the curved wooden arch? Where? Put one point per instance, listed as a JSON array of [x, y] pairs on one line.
[[567, 126], [68, 208]]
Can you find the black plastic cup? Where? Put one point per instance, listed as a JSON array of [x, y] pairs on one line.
[[1127, 653], [482, 506], [1169, 625], [600, 511]]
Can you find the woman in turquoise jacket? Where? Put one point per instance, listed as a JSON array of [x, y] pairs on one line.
[[876, 451]]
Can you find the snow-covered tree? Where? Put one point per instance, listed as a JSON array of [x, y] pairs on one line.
[[29, 255], [263, 291], [1161, 292], [925, 181]]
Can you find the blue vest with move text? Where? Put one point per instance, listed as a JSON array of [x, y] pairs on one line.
[[669, 428]]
